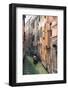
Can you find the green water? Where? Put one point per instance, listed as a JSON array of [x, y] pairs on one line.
[[30, 68]]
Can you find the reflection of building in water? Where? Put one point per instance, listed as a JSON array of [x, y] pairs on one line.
[[41, 40]]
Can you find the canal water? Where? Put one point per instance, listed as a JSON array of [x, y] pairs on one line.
[[30, 68]]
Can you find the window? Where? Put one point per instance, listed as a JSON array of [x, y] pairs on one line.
[[39, 18], [32, 24]]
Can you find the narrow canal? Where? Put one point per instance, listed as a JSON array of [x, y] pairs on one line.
[[30, 68]]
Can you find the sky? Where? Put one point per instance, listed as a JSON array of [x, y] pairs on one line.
[[27, 18]]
